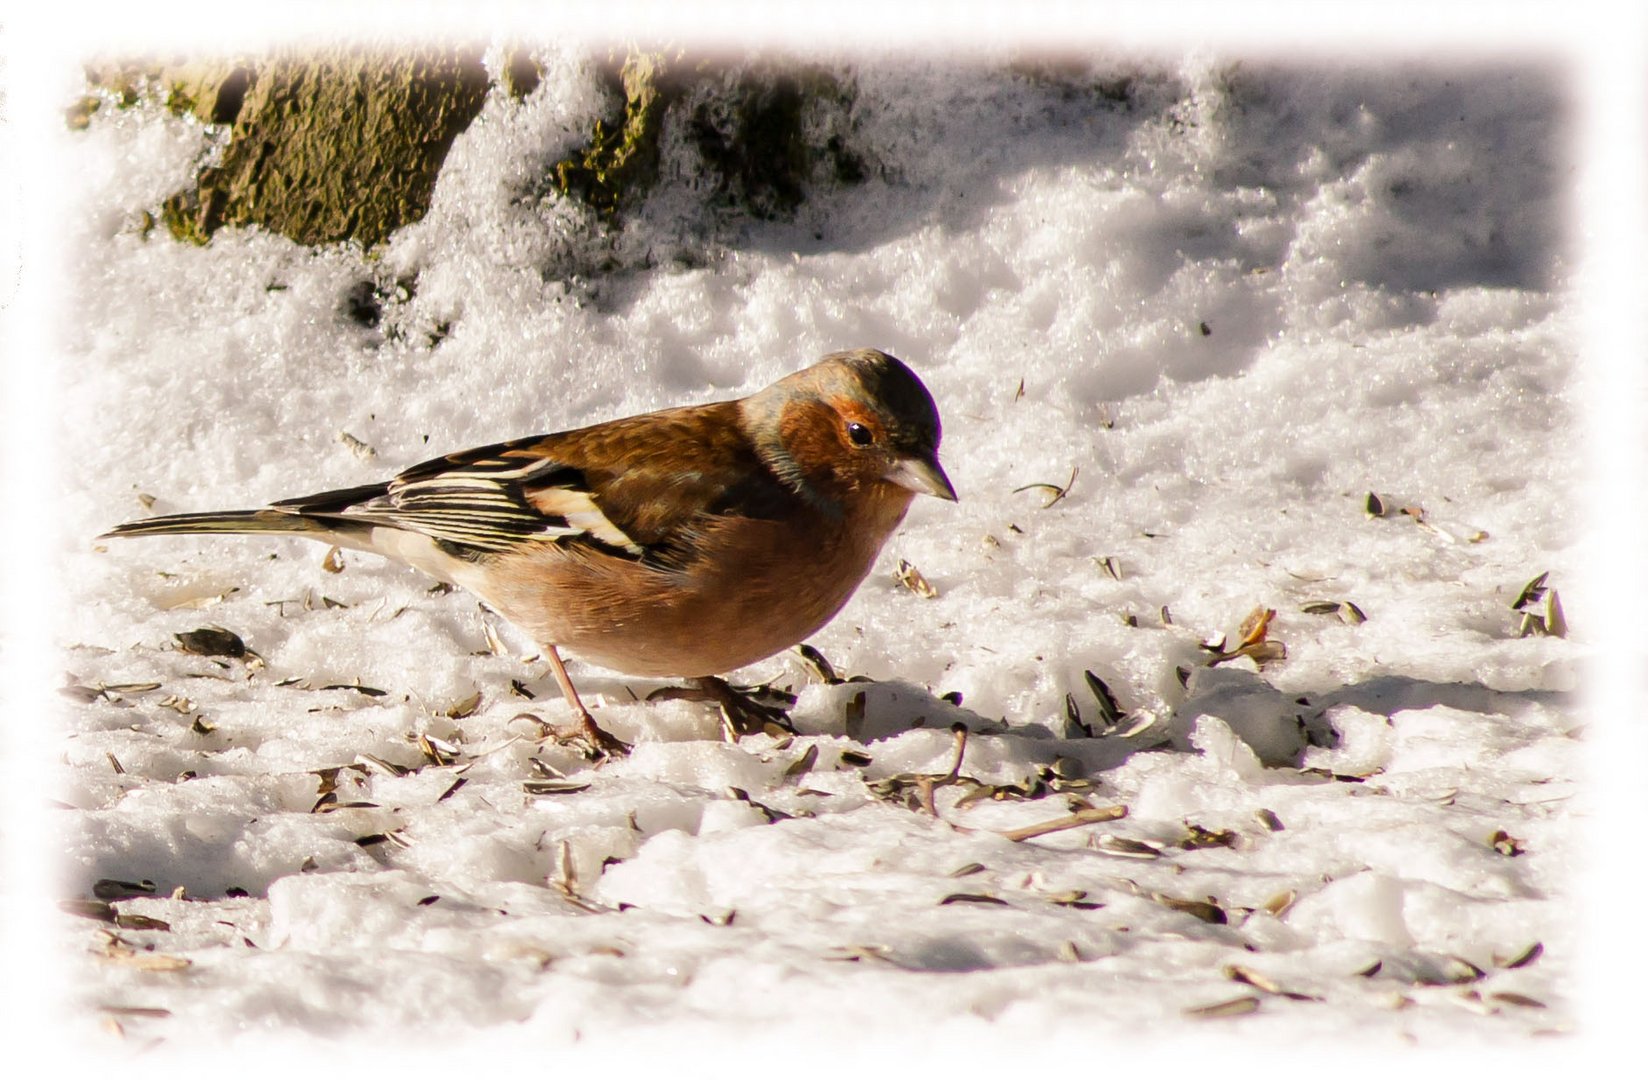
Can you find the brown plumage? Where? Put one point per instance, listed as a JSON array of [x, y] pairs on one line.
[[686, 542]]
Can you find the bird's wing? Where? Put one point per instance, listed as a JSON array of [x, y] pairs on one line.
[[640, 487]]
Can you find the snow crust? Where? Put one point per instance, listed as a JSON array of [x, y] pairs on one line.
[[1219, 314]]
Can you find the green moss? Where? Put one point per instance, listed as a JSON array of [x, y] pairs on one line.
[[339, 144], [748, 124], [621, 162]]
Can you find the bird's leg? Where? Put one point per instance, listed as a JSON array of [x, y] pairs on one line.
[[588, 729], [746, 715]]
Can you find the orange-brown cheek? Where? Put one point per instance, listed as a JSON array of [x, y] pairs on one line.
[[810, 434]]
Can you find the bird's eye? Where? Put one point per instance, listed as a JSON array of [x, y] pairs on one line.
[[860, 435]]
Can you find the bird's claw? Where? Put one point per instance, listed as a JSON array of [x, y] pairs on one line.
[[743, 713]]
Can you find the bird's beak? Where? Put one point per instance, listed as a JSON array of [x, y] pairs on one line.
[[922, 476]]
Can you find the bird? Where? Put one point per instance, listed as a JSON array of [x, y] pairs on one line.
[[682, 543]]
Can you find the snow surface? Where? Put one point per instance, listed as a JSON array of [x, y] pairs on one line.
[[1229, 309]]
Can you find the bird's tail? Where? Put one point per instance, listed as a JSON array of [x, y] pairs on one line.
[[225, 521]]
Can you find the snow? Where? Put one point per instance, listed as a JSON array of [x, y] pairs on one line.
[[1221, 316]]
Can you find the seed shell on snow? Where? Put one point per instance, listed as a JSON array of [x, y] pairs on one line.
[[1198, 836], [101, 910], [1522, 959], [114, 889], [1127, 848], [803, 764], [1202, 909], [360, 449], [553, 787], [1234, 1007], [909, 577], [973, 898], [465, 707], [1531, 592], [1279, 903], [821, 667], [211, 641], [1260, 981], [1110, 713]]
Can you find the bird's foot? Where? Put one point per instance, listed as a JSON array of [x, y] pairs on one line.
[[601, 744], [740, 710]]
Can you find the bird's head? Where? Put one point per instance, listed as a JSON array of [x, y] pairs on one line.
[[849, 425]]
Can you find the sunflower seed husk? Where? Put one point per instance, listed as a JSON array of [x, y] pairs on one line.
[[211, 641], [1269, 819], [1110, 713], [1110, 565], [1073, 898], [101, 910], [1111, 844], [1068, 768], [1201, 909], [909, 577], [1073, 717], [438, 752], [973, 898], [145, 961], [1255, 979], [1460, 970], [1531, 592], [369, 691], [1556, 623], [968, 870], [113, 889], [554, 787], [134, 921], [1511, 997], [1234, 1007], [333, 563], [386, 766], [1141, 720], [127, 688], [803, 764], [465, 707], [139, 1011], [854, 953], [356, 446], [1198, 836], [820, 666], [1279, 903], [1523, 958]]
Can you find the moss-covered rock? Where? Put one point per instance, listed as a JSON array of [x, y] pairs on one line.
[[338, 144], [621, 161], [749, 124]]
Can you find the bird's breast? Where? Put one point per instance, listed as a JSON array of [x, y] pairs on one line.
[[746, 589]]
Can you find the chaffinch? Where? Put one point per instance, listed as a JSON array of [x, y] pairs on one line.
[[680, 543]]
